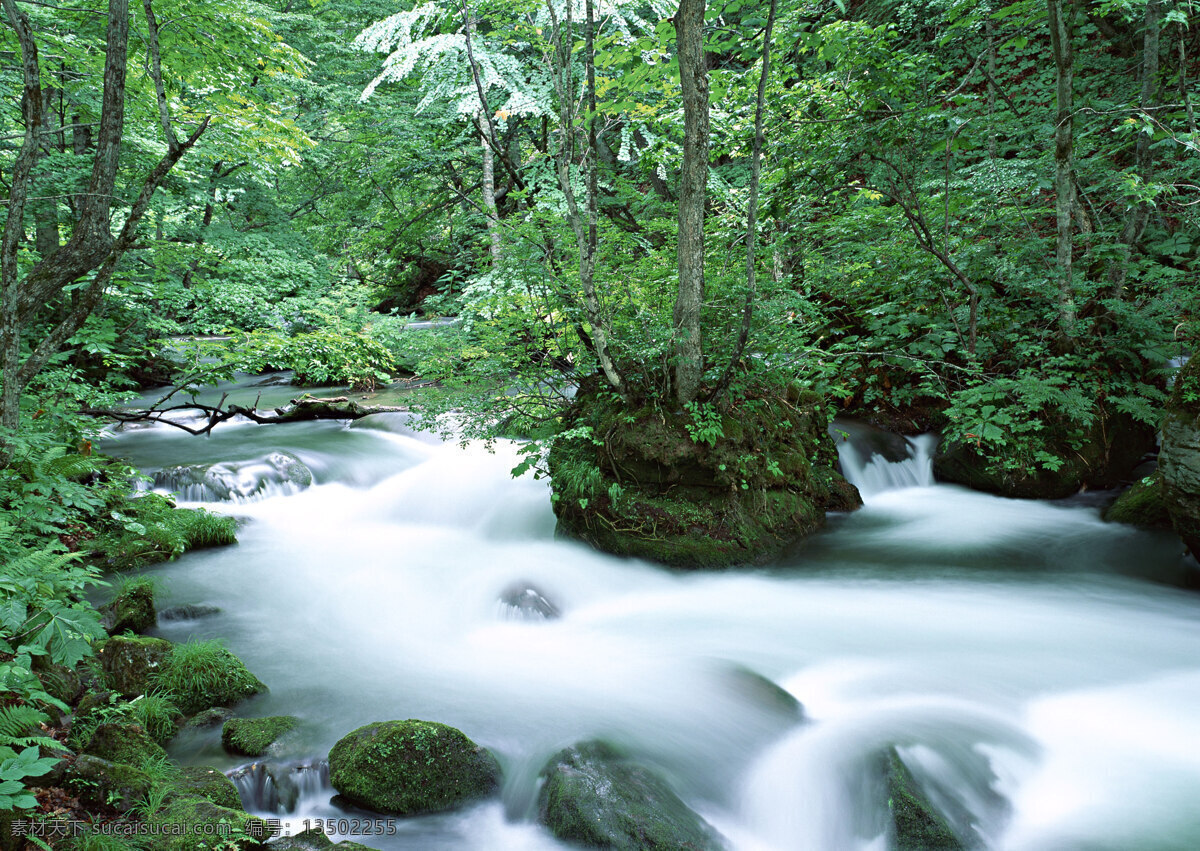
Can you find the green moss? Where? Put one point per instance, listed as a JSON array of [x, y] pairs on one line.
[[197, 824], [252, 736], [131, 663], [132, 609], [1141, 504], [204, 674], [151, 529], [127, 743], [637, 480], [206, 782], [594, 796], [411, 767], [917, 825], [99, 782]]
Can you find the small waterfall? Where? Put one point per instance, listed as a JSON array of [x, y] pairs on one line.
[[277, 474], [875, 461], [282, 788]]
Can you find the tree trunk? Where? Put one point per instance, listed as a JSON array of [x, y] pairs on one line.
[[489, 188], [693, 192], [45, 209], [1062, 15]]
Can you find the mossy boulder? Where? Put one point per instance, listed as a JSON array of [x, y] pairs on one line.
[[127, 743], [204, 781], [131, 610], [310, 840], [1141, 504], [215, 717], [59, 681], [1102, 456], [252, 736], [190, 823], [916, 824], [204, 674], [131, 663], [593, 795], [1179, 461], [695, 487], [163, 532], [100, 782], [411, 767]]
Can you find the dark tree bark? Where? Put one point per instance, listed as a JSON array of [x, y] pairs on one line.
[[1062, 32], [693, 192], [92, 248]]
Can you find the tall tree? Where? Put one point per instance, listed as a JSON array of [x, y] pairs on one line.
[[1062, 34], [693, 194]]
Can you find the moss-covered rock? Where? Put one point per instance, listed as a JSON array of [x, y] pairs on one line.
[[215, 717], [131, 663], [694, 488], [162, 532], [594, 796], [131, 610], [1141, 504], [204, 674], [99, 782], [204, 781], [58, 681], [127, 743], [197, 824], [411, 767], [252, 736], [1102, 457], [310, 840], [916, 825], [1179, 462]]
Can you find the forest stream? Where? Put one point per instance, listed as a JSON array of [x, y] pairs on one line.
[[1015, 652]]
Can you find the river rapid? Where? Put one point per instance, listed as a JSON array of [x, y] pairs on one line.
[[1044, 690]]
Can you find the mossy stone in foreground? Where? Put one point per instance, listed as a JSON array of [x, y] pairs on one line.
[[252, 736], [411, 767], [100, 782], [197, 824], [917, 825], [132, 609], [204, 781], [127, 743], [594, 796]]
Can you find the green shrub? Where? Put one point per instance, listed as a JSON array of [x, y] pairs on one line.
[[203, 674]]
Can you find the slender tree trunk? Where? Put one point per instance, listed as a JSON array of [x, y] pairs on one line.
[[752, 209], [45, 209], [989, 30], [1139, 213], [1062, 17], [1181, 29], [693, 193], [489, 188]]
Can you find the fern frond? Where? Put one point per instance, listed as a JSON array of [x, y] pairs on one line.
[[16, 722]]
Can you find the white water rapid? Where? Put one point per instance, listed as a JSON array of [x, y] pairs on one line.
[[1044, 692]]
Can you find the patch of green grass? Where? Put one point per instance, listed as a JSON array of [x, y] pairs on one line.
[[202, 674]]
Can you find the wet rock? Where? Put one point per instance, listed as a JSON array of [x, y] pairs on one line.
[[207, 782], [214, 717], [98, 782], [411, 767], [127, 743], [277, 472], [188, 613], [132, 609], [313, 839], [916, 824], [131, 663], [765, 693], [1112, 447], [1179, 460], [594, 796], [190, 823], [1141, 504], [523, 601], [252, 736]]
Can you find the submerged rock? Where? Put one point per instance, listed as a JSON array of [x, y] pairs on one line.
[[1179, 460], [916, 824], [594, 796], [252, 736], [1142, 504], [411, 767], [724, 489], [188, 613], [277, 472], [523, 601]]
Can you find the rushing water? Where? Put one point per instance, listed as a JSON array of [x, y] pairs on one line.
[[1041, 688]]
